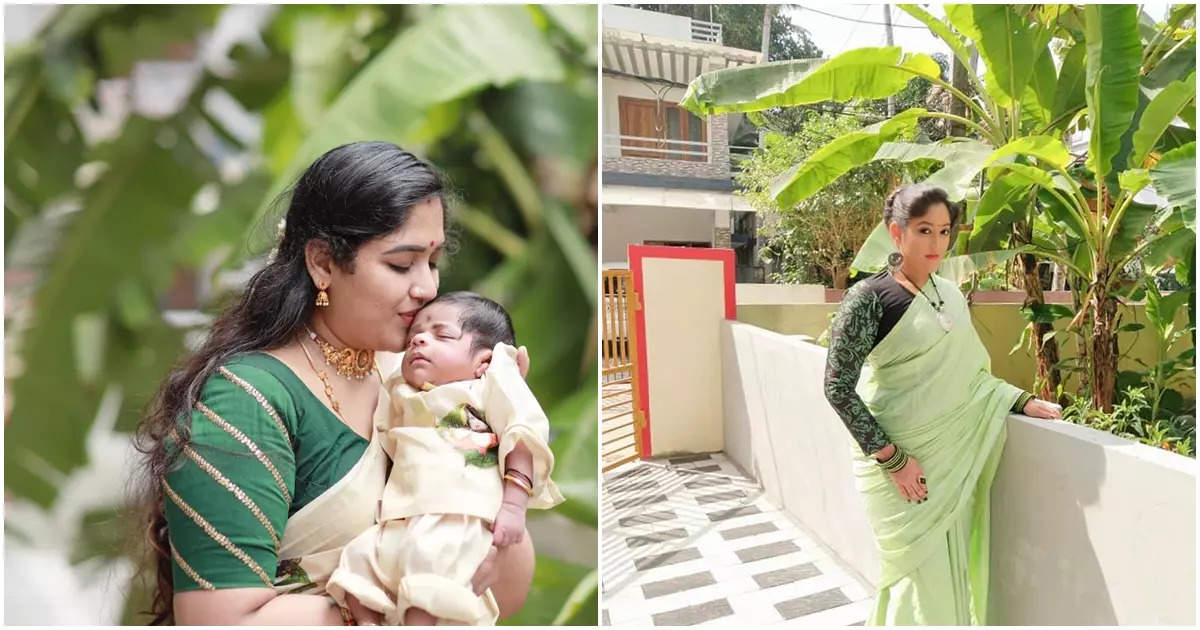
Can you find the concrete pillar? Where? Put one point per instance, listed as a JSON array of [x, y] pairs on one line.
[[722, 228]]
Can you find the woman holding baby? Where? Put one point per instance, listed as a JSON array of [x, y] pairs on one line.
[[260, 459]]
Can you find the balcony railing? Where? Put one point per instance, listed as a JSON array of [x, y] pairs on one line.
[[708, 32], [617, 145], [737, 154]]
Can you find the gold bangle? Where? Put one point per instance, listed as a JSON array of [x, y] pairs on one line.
[[898, 466], [520, 483], [514, 471], [896, 455]]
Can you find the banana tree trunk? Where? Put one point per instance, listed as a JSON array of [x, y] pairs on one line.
[[1048, 373], [1104, 352], [840, 275]]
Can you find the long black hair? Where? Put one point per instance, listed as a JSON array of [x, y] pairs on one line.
[[350, 195]]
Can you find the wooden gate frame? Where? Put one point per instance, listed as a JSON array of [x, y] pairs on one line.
[[637, 254], [631, 306]]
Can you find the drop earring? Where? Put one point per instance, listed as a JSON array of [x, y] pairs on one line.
[[322, 298], [894, 259]]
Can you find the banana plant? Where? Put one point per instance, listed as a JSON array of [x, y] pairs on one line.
[[1023, 93], [1167, 371]]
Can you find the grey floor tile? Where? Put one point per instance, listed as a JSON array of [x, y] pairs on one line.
[[656, 537], [687, 459], [691, 615], [636, 472], [674, 585], [787, 576], [635, 501], [717, 497], [643, 484], [663, 559], [748, 530], [707, 480], [646, 518], [744, 510], [809, 604], [698, 470], [769, 550]]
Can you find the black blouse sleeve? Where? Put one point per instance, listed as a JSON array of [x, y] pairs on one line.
[[1022, 400], [851, 340]]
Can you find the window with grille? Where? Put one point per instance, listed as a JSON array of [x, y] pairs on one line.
[[655, 129]]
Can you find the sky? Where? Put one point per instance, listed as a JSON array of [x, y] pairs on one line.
[[835, 35], [839, 35]]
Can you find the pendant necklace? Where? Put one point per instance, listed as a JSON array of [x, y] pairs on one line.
[[942, 316], [944, 319]]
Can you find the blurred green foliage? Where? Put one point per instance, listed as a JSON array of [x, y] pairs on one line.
[[102, 235]]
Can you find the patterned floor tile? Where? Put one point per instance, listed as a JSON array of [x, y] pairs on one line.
[[692, 615], [656, 537], [689, 459], [681, 583], [691, 540], [734, 533]]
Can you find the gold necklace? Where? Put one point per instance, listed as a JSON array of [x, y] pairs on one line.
[[337, 410], [347, 362], [321, 374]]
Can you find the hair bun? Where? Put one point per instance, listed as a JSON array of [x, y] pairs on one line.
[[889, 204]]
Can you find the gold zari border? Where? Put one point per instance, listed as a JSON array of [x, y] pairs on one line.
[[216, 535], [231, 487], [187, 568], [248, 443], [257, 395]]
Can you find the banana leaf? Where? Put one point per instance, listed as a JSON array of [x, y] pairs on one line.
[[838, 157], [1114, 53], [854, 74], [998, 210], [44, 424], [1006, 43], [1163, 108], [962, 160], [1174, 177], [457, 50]]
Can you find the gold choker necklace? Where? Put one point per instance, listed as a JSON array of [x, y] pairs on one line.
[[347, 362]]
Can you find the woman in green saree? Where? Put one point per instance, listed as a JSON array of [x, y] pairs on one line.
[[928, 420], [260, 459]]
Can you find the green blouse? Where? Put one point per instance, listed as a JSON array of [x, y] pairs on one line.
[[262, 446]]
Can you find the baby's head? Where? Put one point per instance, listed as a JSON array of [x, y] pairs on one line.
[[452, 337]]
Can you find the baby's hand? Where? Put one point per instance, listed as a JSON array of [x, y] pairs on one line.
[[363, 616], [509, 525]]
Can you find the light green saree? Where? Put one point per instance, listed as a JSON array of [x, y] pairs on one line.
[[932, 391]]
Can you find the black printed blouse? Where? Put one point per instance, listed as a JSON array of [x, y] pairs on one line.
[[869, 311]]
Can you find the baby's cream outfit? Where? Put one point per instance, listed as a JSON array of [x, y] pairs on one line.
[[433, 525]]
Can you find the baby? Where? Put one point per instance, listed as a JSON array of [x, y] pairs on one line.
[[468, 443]]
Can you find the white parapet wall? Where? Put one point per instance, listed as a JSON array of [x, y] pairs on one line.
[[779, 429], [760, 293], [1087, 528]]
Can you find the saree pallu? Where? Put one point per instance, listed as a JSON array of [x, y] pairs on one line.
[[932, 392], [315, 535]]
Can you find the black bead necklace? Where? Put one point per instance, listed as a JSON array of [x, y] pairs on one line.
[[943, 317]]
